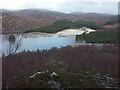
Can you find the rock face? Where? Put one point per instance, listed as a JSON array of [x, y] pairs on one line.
[[22, 20]]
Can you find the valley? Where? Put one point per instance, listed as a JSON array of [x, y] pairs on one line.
[[19, 21], [49, 49]]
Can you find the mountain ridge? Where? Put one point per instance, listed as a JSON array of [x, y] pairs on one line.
[[22, 20]]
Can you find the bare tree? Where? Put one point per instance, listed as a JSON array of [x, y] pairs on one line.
[[14, 44]]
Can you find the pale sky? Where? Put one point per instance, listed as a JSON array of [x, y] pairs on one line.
[[66, 6]]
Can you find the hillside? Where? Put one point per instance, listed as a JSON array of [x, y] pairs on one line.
[[75, 67], [106, 36], [22, 20]]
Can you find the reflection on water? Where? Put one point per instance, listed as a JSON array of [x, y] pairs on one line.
[[41, 42], [47, 42]]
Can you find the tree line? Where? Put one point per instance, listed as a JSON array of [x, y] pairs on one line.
[[103, 36], [103, 59], [59, 25]]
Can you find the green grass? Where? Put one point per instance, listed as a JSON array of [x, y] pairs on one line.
[[100, 37]]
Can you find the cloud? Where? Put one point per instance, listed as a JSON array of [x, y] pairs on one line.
[[100, 6]]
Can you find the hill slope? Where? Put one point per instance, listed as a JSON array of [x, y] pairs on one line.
[[22, 20]]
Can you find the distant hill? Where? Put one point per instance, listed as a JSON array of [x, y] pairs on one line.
[[90, 14], [22, 20]]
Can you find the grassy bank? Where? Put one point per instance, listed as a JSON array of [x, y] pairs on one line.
[[64, 24], [110, 36]]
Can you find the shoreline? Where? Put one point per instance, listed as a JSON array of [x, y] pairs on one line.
[[63, 33]]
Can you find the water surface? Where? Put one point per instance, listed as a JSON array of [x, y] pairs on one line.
[[40, 42]]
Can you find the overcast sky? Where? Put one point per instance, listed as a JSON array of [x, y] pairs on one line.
[[97, 6]]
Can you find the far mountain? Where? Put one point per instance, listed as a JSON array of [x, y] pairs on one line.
[[22, 20]]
